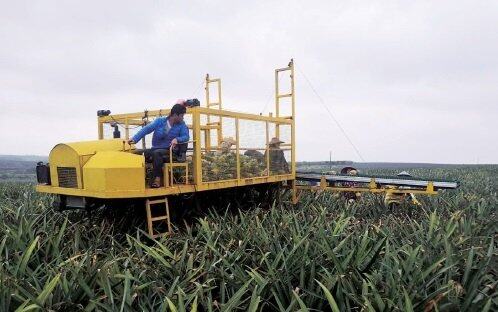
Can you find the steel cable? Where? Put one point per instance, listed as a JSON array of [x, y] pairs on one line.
[[331, 115]]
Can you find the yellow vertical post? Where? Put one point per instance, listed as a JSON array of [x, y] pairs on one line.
[[196, 130], [237, 144], [267, 149], [186, 174], [295, 198], [219, 93], [100, 129], [127, 129], [207, 139], [219, 131], [145, 120], [207, 90], [149, 218], [167, 216], [293, 125], [207, 132], [323, 183], [430, 188], [277, 104], [291, 66]]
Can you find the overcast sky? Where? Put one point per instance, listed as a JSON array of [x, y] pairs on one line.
[[411, 81]]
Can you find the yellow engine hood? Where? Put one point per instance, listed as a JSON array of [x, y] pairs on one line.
[[67, 159]]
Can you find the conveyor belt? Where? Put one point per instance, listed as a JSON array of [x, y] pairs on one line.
[[380, 180]]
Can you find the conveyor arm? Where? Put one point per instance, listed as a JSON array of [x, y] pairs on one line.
[[397, 181]]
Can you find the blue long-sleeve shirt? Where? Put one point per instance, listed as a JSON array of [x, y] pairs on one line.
[[161, 139]]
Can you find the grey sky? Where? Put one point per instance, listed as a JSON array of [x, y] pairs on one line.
[[408, 80]]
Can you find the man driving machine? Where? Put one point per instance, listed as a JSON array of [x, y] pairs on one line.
[[170, 131]]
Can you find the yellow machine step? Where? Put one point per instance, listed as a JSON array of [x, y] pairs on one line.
[[159, 218]]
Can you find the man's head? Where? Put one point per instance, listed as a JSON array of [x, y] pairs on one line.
[[176, 114], [275, 142], [226, 145]]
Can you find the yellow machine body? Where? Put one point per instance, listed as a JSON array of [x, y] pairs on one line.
[[394, 198], [110, 168], [112, 171], [67, 160]]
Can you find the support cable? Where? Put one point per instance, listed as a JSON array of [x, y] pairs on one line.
[[194, 94], [331, 115]]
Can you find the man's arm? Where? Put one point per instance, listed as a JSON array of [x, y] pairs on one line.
[[184, 135], [283, 161], [145, 130], [286, 165]]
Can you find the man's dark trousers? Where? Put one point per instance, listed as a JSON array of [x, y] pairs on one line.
[[161, 155]]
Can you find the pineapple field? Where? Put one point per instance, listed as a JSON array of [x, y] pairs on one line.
[[320, 255]]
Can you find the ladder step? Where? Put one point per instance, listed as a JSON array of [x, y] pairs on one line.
[[282, 69], [159, 218], [213, 104], [210, 127], [163, 218], [158, 201], [284, 95], [182, 164]]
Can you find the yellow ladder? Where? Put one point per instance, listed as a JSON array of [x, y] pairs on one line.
[[160, 218], [215, 105], [278, 96]]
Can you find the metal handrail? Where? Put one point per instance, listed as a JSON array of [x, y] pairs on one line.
[[171, 150], [171, 162]]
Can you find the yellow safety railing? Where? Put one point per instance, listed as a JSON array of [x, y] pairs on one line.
[[249, 131]]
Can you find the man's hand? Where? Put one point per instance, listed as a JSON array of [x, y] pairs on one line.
[[174, 142], [130, 141]]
